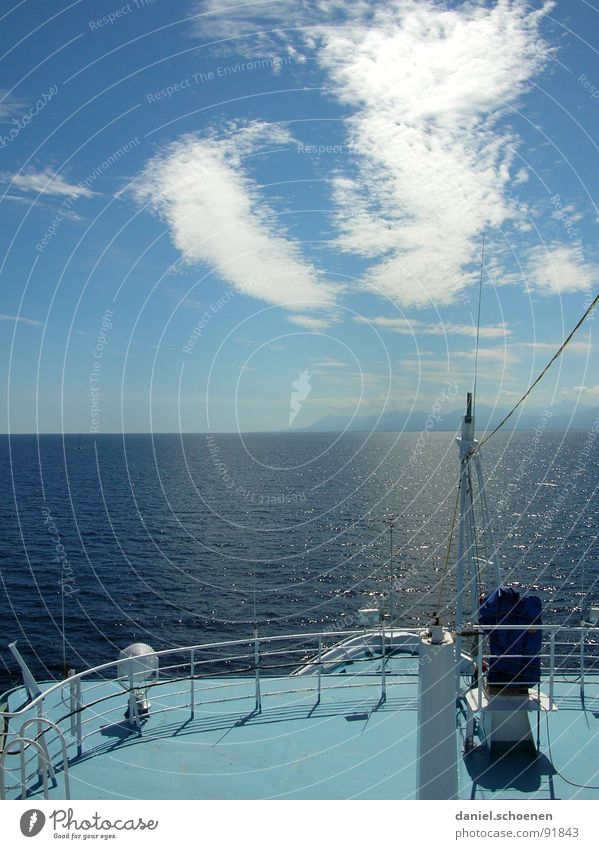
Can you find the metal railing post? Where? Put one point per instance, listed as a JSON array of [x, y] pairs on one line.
[[44, 746], [78, 708], [192, 664], [582, 637], [23, 770], [63, 748], [319, 666], [133, 711], [22, 743], [383, 656], [72, 704], [479, 668], [551, 666], [256, 665]]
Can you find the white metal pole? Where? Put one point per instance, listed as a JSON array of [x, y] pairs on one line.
[[319, 666], [459, 606], [72, 704], [551, 668], [488, 527], [78, 708], [479, 667], [466, 445], [257, 665], [437, 751], [192, 683], [582, 638], [31, 684], [383, 653]]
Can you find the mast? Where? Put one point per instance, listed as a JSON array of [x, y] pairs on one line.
[[469, 561], [488, 576], [466, 448]]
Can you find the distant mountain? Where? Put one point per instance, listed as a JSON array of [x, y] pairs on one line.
[[486, 419]]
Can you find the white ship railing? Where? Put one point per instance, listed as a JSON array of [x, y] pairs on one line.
[[45, 767], [82, 708], [77, 705], [558, 657]]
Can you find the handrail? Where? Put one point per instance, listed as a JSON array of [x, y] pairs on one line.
[[187, 649], [250, 642], [38, 720], [548, 657], [255, 652], [532, 627], [190, 665], [22, 743]]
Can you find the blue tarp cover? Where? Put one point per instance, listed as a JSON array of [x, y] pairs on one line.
[[517, 660]]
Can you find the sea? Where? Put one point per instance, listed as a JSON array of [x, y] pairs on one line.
[[171, 539]]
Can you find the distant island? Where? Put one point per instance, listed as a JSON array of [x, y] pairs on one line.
[[559, 417]]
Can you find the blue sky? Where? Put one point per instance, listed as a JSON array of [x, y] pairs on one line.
[[216, 215]]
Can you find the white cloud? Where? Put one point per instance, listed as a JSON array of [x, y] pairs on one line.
[[559, 269], [47, 183], [522, 176], [498, 354], [21, 319], [18, 199], [586, 393], [328, 362], [217, 216], [271, 28], [427, 84], [9, 105], [574, 347], [310, 322], [414, 327]]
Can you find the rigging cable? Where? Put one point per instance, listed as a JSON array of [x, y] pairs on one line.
[[480, 292], [545, 370], [449, 542], [479, 586]]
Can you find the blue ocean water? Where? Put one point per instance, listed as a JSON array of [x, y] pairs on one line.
[[174, 540]]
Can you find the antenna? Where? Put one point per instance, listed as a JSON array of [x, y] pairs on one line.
[[391, 522], [480, 291]]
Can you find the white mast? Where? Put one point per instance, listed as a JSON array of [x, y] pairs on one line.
[[467, 532]]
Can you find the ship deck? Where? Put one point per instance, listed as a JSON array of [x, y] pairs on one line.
[[349, 744]]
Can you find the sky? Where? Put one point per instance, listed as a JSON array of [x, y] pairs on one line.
[[236, 217]]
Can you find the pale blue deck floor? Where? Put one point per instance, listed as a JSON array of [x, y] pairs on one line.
[[350, 745]]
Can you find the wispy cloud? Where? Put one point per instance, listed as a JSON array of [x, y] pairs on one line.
[[18, 199], [586, 393], [415, 327], [432, 165], [21, 319], [328, 362], [46, 182], [559, 269], [498, 354], [9, 106], [427, 83], [310, 322], [216, 215], [574, 347], [272, 28]]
